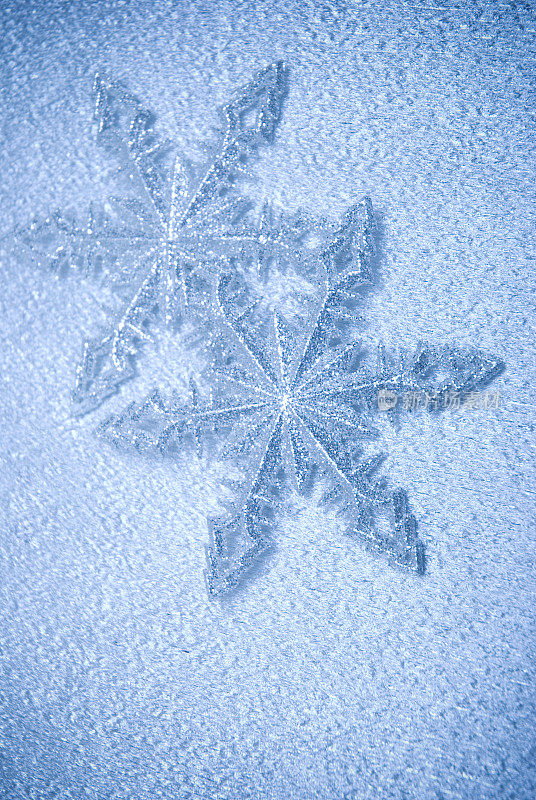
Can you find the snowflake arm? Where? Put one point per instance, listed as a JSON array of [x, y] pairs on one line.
[[438, 373], [239, 539], [125, 126], [100, 245]]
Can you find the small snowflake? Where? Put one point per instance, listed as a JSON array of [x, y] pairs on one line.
[[154, 243]]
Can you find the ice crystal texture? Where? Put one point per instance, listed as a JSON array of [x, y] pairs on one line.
[[153, 244], [292, 399]]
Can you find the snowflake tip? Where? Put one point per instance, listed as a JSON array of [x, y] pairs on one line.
[[226, 565], [96, 378]]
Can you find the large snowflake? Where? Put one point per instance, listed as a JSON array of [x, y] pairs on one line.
[[292, 399], [288, 393]]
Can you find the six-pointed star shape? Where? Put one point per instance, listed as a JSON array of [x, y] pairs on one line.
[[291, 400]]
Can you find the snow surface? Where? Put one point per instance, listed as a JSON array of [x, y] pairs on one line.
[[330, 675]]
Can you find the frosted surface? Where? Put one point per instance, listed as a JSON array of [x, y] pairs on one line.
[[330, 675]]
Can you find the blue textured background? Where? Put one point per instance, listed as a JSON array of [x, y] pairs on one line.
[[330, 675]]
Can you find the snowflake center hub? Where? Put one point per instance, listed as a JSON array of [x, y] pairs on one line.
[[284, 400]]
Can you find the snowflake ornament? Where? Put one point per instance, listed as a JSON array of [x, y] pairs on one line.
[[291, 400], [288, 394], [152, 244]]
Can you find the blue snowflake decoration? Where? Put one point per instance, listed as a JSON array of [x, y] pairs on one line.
[[292, 400], [287, 394]]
